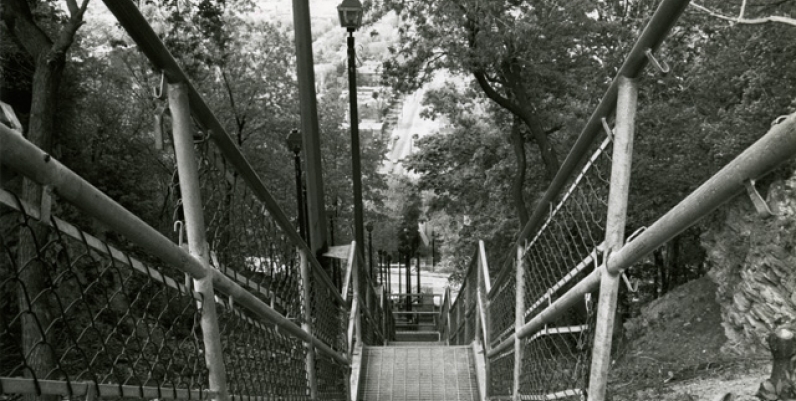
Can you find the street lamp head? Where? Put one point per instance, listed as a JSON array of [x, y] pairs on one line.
[[294, 141], [350, 12], [369, 226]]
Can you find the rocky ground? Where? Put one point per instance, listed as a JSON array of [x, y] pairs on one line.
[[677, 350]]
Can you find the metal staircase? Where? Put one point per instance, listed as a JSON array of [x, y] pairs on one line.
[[417, 372]]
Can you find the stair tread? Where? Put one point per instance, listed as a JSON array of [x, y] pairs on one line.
[[418, 371]]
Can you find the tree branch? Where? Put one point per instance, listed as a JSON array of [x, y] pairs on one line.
[[19, 19], [747, 21]]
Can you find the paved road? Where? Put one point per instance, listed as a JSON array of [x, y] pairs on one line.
[[409, 123]]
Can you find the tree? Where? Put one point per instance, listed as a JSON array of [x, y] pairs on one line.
[[520, 55], [46, 36]]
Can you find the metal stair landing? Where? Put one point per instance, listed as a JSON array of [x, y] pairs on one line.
[[418, 373]]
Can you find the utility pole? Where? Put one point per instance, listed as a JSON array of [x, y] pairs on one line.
[[316, 212]]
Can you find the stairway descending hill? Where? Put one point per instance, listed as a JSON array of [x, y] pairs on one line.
[[418, 372]]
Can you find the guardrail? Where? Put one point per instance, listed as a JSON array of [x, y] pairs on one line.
[[241, 308], [371, 320], [551, 307]]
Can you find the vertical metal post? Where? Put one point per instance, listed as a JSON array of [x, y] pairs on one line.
[[433, 253], [356, 165], [478, 283], [408, 265], [418, 275], [195, 228], [388, 258], [306, 323], [614, 235], [300, 197], [316, 216], [519, 320], [355, 283]]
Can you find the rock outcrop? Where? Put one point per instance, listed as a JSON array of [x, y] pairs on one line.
[[752, 259]]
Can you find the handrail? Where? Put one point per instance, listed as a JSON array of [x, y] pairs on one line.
[[24, 157], [774, 148], [484, 266], [651, 38], [134, 23], [359, 305]]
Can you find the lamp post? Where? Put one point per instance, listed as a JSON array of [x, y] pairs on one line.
[[381, 268], [369, 227], [294, 145], [433, 254], [388, 258], [350, 12], [337, 277]]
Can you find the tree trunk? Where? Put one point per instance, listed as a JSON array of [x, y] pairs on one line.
[[660, 265], [33, 291], [673, 263], [522, 110], [517, 193]]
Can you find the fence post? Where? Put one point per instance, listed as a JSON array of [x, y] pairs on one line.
[[197, 243], [519, 320], [306, 322], [355, 283], [614, 235], [478, 283]]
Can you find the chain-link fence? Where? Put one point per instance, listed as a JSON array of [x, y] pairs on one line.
[[77, 309], [567, 247], [374, 307]]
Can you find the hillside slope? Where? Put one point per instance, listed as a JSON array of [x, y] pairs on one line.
[[673, 351]]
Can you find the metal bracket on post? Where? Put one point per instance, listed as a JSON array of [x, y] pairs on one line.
[[661, 66], [757, 200], [160, 113], [45, 209], [158, 92], [608, 130], [91, 391], [630, 287]]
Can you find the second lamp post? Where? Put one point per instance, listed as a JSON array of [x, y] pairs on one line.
[[351, 18]]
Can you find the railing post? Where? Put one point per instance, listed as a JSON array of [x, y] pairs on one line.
[[614, 235], [306, 322], [355, 283], [519, 320], [197, 243], [478, 283]]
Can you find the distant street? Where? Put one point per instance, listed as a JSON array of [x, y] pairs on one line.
[[409, 123]]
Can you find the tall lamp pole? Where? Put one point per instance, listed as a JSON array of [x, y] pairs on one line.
[[350, 12], [294, 144], [369, 227]]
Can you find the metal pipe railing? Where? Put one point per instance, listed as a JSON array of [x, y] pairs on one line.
[[25, 158], [774, 148], [651, 38], [153, 48]]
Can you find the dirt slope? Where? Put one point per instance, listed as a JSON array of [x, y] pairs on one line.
[[672, 351]]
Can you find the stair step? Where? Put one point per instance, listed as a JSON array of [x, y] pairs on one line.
[[418, 372], [417, 336]]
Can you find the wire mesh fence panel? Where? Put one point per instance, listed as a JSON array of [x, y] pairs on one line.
[[377, 316], [260, 360], [331, 378], [565, 247], [245, 241], [556, 360], [501, 376], [329, 315], [75, 309], [371, 333], [502, 307], [470, 304], [459, 320]]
